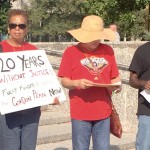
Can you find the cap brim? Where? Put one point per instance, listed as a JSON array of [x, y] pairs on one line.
[[85, 36]]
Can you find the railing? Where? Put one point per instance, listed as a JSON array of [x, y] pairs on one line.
[[54, 53]]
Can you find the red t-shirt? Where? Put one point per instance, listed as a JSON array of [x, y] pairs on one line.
[[8, 48], [92, 103], [29, 112]]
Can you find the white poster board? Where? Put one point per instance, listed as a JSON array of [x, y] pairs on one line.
[[27, 80]]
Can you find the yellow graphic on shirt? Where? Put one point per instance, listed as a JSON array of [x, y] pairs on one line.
[[97, 65]]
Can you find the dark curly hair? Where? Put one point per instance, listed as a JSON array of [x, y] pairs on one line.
[[15, 12]]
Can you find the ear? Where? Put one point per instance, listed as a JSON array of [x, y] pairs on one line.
[[8, 30]]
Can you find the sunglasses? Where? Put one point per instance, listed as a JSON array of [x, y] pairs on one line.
[[13, 26]]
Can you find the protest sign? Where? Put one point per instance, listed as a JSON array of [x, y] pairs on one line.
[[27, 80]]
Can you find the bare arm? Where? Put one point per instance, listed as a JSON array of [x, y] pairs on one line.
[[72, 84], [135, 82]]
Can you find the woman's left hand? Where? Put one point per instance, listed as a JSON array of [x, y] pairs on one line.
[[56, 101]]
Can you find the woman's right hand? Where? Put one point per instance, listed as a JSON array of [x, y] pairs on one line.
[[83, 83], [79, 83]]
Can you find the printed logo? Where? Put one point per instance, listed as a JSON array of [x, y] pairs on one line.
[[95, 65]]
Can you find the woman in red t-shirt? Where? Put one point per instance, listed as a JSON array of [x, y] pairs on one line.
[[18, 130], [83, 68]]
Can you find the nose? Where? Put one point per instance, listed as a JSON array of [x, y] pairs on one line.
[[17, 28]]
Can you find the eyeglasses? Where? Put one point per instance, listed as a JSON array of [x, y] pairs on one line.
[[13, 26]]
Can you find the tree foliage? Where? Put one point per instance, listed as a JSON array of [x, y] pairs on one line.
[[53, 17], [111, 10], [50, 17], [124, 13], [5, 5]]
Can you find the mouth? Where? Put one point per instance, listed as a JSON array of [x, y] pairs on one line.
[[16, 33]]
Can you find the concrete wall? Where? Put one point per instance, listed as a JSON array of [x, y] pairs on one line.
[[126, 100]]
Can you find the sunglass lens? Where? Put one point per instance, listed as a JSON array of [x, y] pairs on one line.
[[22, 26], [13, 26]]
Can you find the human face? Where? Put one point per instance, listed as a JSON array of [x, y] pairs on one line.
[[17, 34], [91, 45], [113, 27]]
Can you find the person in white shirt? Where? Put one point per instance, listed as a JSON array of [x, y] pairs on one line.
[[113, 27]]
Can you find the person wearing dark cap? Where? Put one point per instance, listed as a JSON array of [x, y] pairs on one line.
[[82, 66]]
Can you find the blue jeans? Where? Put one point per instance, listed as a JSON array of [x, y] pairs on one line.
[[83, 130], [143, 134], [18, 131]]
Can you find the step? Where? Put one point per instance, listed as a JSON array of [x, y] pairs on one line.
[[54, 133], [49, 117], [54, 126], [127, 142], [63, 145]]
